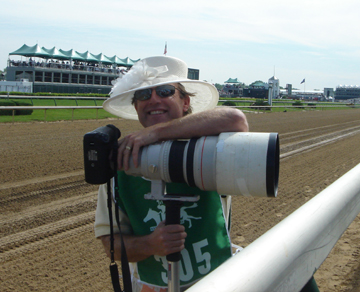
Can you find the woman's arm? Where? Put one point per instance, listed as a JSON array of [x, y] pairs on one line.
[[206, 123]]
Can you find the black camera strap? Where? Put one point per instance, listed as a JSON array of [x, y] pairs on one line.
[[124, 260], [114, 272]]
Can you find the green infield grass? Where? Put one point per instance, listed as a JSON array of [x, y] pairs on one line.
[[59, 114], [83, 114]]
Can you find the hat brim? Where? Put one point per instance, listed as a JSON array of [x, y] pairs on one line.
[[206, 97]]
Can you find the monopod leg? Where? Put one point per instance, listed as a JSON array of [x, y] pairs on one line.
[[173, 217]]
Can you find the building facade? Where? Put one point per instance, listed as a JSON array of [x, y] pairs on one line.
[[347, 92], [60, 78], [59, 71], [274, 87]]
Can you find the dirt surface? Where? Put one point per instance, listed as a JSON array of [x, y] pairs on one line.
[[47, 210]]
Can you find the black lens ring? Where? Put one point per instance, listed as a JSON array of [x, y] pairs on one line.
[[190, 162], [272, 165], [142, 94], [167, 87], [176, 157]]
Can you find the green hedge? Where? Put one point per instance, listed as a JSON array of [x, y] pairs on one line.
[[262, 103], [229, 103], [4, 112], [298, 104], [6, 103]]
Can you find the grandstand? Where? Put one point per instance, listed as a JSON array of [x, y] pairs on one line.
[[59, 71], [344, 92]]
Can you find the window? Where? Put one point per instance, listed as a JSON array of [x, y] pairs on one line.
[[65, 78], [90, 79], [57, 77], [82, 78], [97, 80], [48, 76], [39, 76], [74, 78]]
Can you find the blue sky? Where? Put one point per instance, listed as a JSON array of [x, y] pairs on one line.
[[313, 39]]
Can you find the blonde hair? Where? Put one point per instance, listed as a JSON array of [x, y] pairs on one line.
[[184, 94]]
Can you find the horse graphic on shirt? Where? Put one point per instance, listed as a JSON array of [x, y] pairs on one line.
[[159, 216]]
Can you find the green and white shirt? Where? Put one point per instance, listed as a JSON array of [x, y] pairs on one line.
[[207, 244]]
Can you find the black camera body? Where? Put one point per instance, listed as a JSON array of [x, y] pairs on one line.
[[100, 153]]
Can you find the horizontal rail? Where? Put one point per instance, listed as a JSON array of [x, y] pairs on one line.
[[285, 257], [48, 107], [50, 97], [92, 107], [45, 108]]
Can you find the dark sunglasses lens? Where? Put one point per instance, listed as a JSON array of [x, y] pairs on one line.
[[142, 94], [165, 91], [162, 91]]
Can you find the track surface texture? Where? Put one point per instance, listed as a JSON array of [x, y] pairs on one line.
[[47, 210]]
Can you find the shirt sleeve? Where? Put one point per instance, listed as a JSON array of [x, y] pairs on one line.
[[102, 221]]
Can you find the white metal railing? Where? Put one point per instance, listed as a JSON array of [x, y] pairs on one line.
[[285, 257]]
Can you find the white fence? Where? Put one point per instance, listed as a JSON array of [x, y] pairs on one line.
[[285, 257]]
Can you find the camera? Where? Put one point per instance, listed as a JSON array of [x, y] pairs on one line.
[[232, 163], [100, 152]]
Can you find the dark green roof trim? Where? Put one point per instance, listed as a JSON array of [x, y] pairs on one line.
[[54, 53], [232, 80], [34, 51]]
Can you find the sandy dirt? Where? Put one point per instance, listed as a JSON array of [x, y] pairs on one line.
[[47, 210]]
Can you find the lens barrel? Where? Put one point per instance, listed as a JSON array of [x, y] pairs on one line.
[[231, 163]]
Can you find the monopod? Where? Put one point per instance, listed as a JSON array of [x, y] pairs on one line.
[[173, 203]]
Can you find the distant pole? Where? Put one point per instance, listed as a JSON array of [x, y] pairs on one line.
[[304, 86], [165, 50], [270, 94]]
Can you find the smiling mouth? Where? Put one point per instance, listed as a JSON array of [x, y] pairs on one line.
[[158, 112]]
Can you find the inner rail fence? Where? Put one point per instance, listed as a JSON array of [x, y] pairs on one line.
[[286, 257], [54, 98], [242, 107], [45, 108]]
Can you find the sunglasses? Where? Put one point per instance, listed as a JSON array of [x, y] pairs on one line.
[[163, 91]]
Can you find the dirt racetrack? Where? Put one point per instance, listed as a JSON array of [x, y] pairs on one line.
[[47, 210]]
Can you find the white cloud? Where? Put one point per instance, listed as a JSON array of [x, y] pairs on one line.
[[306, 22]]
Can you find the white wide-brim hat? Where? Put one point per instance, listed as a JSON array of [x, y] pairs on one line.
[[152, 72]]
